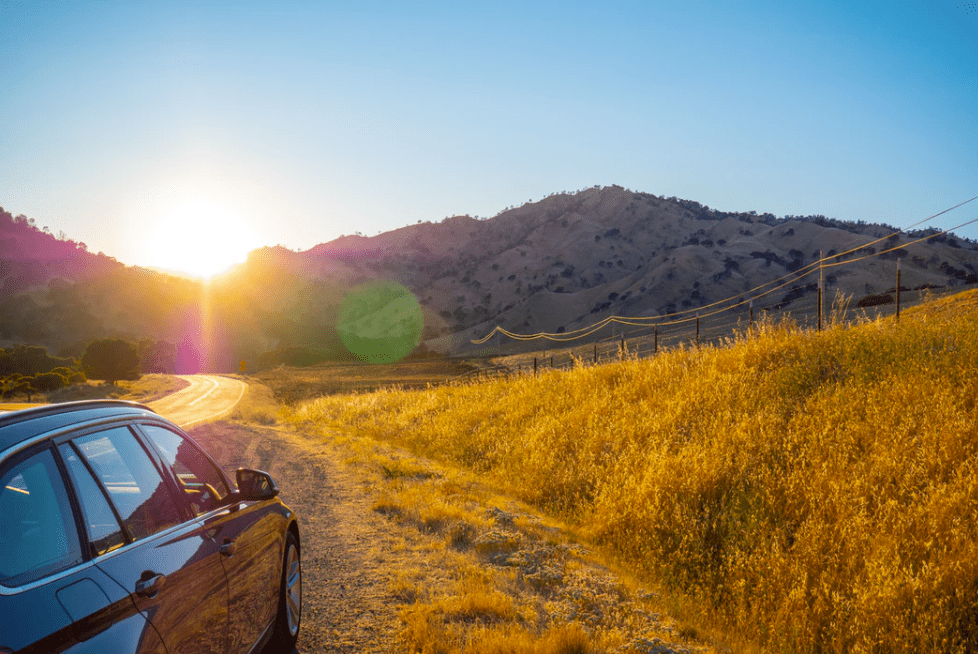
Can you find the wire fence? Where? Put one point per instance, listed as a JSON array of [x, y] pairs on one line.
[[803, 302], [618, 344]]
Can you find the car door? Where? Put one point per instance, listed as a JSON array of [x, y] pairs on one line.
[[52, 596], [169, 563], [252, 551]]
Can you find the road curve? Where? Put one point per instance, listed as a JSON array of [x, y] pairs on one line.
[[208, 398]]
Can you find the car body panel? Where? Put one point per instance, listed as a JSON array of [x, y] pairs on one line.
[[190, 607], [209, 601], [252, 569], [69, 616]]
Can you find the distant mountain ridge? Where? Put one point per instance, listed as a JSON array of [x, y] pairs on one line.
[[557, 264], [572, 259]]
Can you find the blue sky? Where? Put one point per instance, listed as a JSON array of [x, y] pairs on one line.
[[258, 123]]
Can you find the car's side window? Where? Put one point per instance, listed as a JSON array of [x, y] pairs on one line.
[[104, 531], [38, 535], [200, 480], [132, 482]]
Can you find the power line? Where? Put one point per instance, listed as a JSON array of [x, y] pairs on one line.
[[735, 301]]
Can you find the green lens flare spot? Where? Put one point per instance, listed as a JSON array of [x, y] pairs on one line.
[[380, 322]]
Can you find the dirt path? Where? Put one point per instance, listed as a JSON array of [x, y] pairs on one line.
[[350, 554], [388, 566]]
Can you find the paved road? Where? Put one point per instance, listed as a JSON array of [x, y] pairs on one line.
[[208, 398]]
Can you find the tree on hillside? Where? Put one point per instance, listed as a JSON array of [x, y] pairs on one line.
[[111, 359]]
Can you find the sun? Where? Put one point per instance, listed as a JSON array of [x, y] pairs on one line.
[[198, 237]]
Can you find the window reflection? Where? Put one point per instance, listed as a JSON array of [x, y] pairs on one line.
[[37, 530], [199, 479], [104, 532], [132, 482]]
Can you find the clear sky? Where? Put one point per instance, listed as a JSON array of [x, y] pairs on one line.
[[241, 124]]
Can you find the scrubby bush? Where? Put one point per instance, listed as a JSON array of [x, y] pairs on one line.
[[49, 381]]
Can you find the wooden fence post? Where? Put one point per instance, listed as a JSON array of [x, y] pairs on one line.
[[820, 280], [898, 291]]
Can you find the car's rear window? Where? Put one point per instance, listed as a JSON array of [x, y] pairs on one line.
[[104, 531], [132, 482], [37, 529]]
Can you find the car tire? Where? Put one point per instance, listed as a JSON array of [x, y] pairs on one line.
[[290, 599]]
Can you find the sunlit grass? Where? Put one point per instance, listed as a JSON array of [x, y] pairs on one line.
[[812, 492], [257, 405]]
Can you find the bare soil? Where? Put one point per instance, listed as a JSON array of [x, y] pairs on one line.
[[350, 555]]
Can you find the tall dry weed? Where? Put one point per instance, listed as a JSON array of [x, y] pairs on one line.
[[816, 492]]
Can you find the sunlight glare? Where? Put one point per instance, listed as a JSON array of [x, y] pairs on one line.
[[201, 238]]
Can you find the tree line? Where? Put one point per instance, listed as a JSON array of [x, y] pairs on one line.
[[27, 370]]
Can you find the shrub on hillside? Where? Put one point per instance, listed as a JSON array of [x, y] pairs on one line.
[[875, 300]]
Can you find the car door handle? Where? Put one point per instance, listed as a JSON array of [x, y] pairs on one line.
[[149, 584], [228, 548]]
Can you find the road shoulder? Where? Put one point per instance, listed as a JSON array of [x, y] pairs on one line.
[[400, 554]]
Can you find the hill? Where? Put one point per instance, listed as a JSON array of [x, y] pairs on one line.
[[554, 265], [571, 259]]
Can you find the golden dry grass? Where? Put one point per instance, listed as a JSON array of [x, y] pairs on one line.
[[812, 492], [257, 405], [296, 384]]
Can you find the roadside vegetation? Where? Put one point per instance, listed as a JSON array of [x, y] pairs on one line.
[[490, 574], [292, 385], [803, 491]]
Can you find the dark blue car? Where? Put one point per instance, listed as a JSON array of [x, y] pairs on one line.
[[119, 534]]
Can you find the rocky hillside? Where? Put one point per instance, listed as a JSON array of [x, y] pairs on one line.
[[572, 259], [555, 265]]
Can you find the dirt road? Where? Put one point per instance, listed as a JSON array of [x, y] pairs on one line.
[[208, 398], [381, 576], [351, 556], [369, 570]]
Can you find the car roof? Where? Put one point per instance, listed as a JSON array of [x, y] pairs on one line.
[[18, 426]]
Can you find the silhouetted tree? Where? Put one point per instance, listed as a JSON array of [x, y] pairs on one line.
[[111, 359]]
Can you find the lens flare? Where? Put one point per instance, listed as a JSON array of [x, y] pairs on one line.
[[380, 322]]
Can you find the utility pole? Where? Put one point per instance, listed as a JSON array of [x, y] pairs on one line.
[[820, 279], [655, 339]]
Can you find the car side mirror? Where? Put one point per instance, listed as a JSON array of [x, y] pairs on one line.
[[255, 485]]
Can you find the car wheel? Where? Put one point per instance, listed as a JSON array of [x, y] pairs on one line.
[[290, 599]]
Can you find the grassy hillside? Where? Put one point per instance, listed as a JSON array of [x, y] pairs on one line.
[[810, 492]]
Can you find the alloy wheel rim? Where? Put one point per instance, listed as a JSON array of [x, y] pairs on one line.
[[293, 590]]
